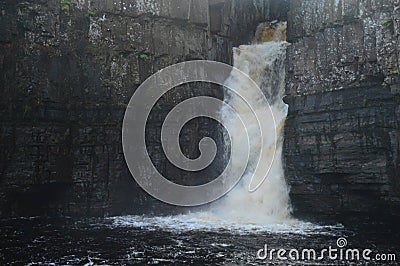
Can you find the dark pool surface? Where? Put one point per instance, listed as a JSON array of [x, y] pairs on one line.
[[37, 241]]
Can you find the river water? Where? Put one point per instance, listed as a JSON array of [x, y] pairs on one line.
[[179, 240]]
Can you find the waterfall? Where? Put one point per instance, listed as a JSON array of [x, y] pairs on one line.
[[264, 62], [267, 209]]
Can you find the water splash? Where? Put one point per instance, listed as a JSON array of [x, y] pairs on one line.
[[209, 223]]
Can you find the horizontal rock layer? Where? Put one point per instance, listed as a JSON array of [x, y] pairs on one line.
[[342, 134]]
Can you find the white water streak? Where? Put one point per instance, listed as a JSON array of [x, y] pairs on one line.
[[269, 204]]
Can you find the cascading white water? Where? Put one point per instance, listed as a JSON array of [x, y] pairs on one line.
[[269, 204]]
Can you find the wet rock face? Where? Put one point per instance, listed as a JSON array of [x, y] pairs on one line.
[[344, 43], [67, 71], [342, 135]]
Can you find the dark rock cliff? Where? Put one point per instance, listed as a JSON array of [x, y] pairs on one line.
[[342, 137], [69, 67], [67, 70]]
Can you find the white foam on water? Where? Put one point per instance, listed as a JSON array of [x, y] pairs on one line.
[[202, 222]]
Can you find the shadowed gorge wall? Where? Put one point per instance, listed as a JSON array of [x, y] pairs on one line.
[[69, 67], [342, 133], [67, 71]]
